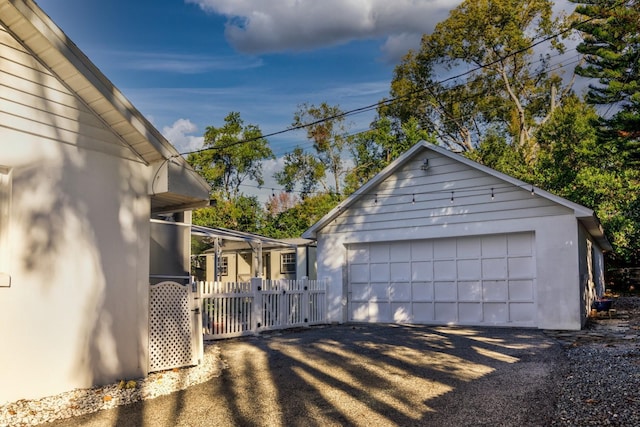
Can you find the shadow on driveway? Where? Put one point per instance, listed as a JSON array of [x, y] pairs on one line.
[[365, 375]]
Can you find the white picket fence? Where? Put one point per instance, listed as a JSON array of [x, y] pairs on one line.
[[231, 309]]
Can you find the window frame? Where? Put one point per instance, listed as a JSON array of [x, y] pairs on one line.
[[223, 266], [292, 263]]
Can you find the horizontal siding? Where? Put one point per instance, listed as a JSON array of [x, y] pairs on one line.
[[36, 103], [413, 198]]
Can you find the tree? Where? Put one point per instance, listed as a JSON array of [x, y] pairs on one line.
[[490, 41], [241, 213], [301, 169], [296, 220], [575, 162], [280, 202], [611, 49], [234, 156], [374, 149], [326, 128]]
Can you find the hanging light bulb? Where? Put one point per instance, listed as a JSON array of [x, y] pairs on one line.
[[452, 197], [375, 201], [413, 199], [533, 192], [492, 195]]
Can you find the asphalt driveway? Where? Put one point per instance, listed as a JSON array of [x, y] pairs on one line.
[[365, 375]]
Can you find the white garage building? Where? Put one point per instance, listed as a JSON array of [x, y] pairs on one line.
[[436, 238]]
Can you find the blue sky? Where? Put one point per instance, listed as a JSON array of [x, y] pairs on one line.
[[185, 64]]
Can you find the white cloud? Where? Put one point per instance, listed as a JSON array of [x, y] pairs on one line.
[[183, 63], [258, 26], [179, 134]]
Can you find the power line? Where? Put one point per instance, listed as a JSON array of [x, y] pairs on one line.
[[378, 104]]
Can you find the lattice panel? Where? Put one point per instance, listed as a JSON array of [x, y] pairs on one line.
[[169, 326]]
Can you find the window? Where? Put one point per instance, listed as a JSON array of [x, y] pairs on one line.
[[5, 202], [223, 266], [288, 263]]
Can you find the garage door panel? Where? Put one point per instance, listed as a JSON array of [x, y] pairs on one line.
[[519, 244], [495, 312], [495, 290], [470, 312], [360, 291], [469, 269], [521, 290], [359, 254], [379, 273], [521, 267], [379, 291], [444, 270], [399, 251], [379, 312], [422, 291], [446, 312], [444, 248], [422, 312], [469, 247], [379, 253], [360, 311], [470, 291], [494, 268], [445, 291], [494, 246], [359, 273], [421, 270], [400, 292], [401, 312], [422, 249], [400, 272], [522, 312]]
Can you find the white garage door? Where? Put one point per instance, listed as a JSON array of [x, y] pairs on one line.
[[486, 280]]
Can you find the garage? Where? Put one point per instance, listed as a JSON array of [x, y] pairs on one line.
[[436, 238], [465, 280]]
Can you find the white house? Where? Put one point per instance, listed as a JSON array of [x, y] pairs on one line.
[[436, 238], [81, 174]]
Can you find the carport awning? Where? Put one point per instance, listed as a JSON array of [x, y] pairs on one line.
[[237, 236]]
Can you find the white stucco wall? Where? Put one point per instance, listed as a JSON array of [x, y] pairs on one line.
[[556, 246], [76, 312]]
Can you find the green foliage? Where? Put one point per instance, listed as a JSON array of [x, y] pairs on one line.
[[576, 163], [241, 213], [495, 152], [236, 155], [296, 220], [505, 95], [373, 150], [611, 48], [326, 128], [302, 170]]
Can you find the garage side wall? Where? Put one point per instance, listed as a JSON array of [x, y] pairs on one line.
[[449, 200], [591, 265]]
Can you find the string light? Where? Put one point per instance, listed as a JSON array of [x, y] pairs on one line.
[[413, 199], [533, 192], [452, 197], [375, 202], [492, 195]]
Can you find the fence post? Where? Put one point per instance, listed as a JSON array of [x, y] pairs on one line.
[[196, 293], [306, 301], [256, 304]]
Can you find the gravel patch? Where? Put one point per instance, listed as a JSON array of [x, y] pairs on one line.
[[85, 401], [599, 385]]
